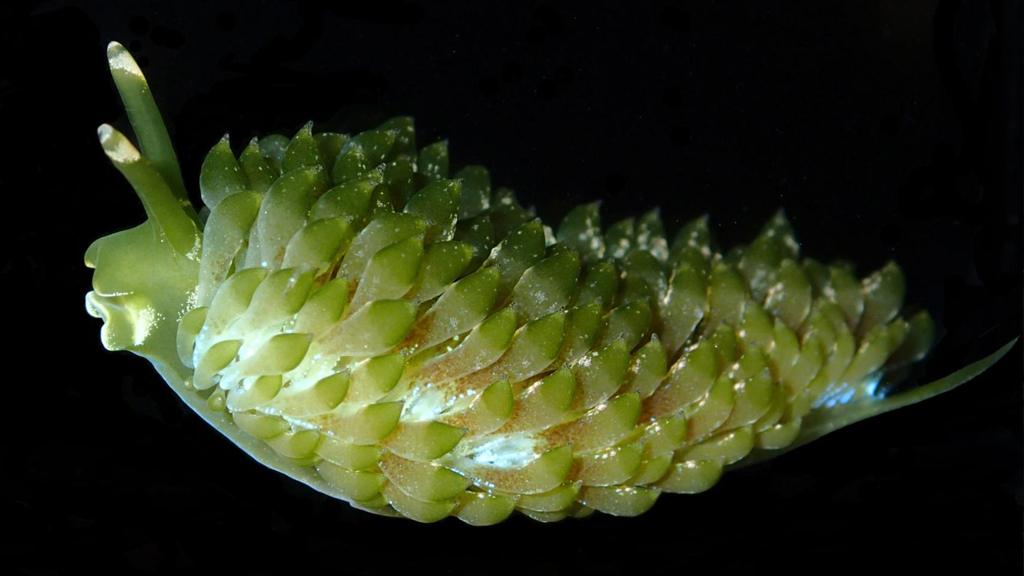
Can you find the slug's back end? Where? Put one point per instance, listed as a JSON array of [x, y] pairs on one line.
[[359, 317]]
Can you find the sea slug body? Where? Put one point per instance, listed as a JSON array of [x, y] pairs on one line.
[[358, 315]]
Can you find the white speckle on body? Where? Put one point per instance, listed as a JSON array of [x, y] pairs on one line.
[[510, 451], [142, 324]]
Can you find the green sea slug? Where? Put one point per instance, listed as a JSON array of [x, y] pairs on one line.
[[355, 313]]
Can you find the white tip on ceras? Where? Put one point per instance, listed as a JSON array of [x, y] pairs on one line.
[[121, 60], [118, 148]]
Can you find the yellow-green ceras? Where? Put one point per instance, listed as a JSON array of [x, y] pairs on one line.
[[353, 314]]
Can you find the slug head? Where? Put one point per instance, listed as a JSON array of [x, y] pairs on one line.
[[145, 276]]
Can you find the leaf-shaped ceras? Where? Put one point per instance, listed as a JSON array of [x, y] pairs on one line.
[[358, 315]]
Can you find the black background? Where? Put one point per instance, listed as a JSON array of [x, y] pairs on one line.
[[885, 129]]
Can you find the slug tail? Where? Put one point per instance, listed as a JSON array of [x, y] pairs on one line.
[[827, 420]]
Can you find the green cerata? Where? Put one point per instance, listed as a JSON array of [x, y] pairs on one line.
[[357, 315]]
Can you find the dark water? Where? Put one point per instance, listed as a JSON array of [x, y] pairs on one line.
[[886, 131]]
